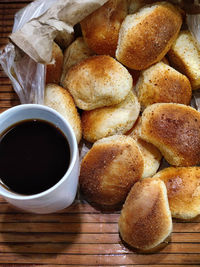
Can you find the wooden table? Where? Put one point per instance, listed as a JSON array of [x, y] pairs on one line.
[[79, 235]]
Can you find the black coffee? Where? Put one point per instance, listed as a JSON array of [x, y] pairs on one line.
[[34, 156]]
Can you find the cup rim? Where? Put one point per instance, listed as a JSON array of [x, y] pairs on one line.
[[73, 155]]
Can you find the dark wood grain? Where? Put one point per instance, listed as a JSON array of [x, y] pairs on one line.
[[79, 235]]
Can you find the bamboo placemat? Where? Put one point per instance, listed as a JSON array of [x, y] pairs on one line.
[[79, 235]]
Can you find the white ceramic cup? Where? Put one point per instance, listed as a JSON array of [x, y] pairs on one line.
[[62, 194]]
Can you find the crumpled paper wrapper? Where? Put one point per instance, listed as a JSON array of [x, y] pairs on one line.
[[35, 28], [36, 36]]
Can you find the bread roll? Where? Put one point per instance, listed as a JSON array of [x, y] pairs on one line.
[[101, 28], [183, 190], [146, 36], [109, 170], [54, 69], [162, 84], [76, 52], [151, 155], [98, 81], [59, 99], [184, 55], [107, 121], [145, 221], [175, 130]]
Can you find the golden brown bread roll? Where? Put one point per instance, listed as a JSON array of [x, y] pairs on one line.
[[54, 69], [76, 52], [101, 28], [145, 221], [162, 84], [151, 155], [107, 121], [109, 170], [146, 36], [98, 81], [184, 55], [59, 99], [183, 190], [175, 130]]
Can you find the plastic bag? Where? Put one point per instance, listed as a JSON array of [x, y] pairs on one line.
[[26, 75]]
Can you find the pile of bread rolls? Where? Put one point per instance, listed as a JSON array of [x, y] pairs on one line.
[[125, 84]]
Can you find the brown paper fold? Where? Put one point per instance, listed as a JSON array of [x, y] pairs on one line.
[[35, 38]]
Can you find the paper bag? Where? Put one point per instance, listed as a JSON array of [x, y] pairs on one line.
[[34, 31]]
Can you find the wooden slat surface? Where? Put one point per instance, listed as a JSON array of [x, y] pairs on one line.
[[79, 235]]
